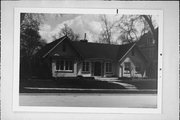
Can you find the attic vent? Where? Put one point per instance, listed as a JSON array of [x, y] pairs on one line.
[[56, 54]]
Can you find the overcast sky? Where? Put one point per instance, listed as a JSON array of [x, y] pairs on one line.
[[80, 23]]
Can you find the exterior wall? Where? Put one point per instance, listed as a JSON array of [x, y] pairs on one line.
[[56, 73], [135, 60], [118, 69], [64, 52]]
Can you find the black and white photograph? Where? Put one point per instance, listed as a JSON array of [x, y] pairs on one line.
[[92, 60], [98, 60]]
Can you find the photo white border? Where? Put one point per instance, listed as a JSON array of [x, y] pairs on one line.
[[17, 107]]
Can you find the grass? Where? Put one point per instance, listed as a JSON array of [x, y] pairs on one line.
[[83, 83], [143, 83]]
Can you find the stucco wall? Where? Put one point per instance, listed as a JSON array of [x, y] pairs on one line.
[[135, 60], [56, 73]]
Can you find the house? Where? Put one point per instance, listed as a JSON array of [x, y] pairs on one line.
[[66, 58], [149, 48]]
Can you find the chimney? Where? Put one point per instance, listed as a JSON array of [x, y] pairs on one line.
[[84, 36], [84, 40]]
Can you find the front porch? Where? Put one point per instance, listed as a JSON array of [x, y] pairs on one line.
[[97, 68]]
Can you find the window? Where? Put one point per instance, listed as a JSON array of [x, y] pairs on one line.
[[138, 69], [149, 41], [108, 67], [64, 65], [85, 67], [57, 65], [127, 66]]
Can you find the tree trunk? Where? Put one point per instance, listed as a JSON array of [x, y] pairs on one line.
[[149, 21]]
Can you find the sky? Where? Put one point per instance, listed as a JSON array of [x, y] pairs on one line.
[[90, 24]]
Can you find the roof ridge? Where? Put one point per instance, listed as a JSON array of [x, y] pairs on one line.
[[102, 43]]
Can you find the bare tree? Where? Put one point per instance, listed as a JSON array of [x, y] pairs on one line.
[[148, 19], [66, 30], [127, 28], [107, 27]]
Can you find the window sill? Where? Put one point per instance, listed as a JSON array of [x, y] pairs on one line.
[[85, 72], [64, 71], [108, 72], [126, 72]]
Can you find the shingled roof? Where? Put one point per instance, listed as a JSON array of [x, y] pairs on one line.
[[47, 48], [101, 51], [90, 50]]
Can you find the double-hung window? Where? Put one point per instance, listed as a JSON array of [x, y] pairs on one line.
[[138, 68], [64, 65], [85, 67], [127, 66], [108, 67]]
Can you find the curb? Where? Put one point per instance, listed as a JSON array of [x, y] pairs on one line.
[[80, 90]]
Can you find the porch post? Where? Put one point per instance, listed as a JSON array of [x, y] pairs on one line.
[[102, 68], [92, 68]]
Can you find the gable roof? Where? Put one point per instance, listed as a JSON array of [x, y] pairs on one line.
[[101, 51], [89, 50], [47, 48], [146, 36]]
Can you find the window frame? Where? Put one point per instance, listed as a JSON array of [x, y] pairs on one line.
[[64, 65], [139, 69], [108, 68], [127, 64], [86, 67]]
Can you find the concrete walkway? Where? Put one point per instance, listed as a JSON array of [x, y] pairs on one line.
[[126, 85], [117, 81]]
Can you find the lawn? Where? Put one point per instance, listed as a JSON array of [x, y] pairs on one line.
[[80, 83], [142, 83]]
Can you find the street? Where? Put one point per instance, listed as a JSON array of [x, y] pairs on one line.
[[89, 100]]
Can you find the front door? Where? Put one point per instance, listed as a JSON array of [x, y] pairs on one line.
[[97, 69]]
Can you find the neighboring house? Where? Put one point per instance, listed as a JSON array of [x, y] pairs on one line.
[[149, 47], [66, 58]]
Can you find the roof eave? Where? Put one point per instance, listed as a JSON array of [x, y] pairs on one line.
[[127, 53]]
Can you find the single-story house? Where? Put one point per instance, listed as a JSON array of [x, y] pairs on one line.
[[67, 58]]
